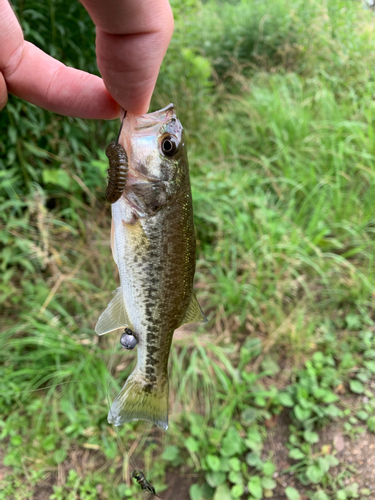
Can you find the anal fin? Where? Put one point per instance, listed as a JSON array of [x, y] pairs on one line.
[[115, 316], [194, 313]]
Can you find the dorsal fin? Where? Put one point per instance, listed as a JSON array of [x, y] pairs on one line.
[[194, 313], [115, 316]]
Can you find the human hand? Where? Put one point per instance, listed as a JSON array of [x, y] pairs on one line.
[[132, 38]]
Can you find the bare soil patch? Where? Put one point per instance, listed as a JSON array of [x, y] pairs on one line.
[[357, 456]]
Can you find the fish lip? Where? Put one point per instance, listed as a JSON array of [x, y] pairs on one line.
[[170, 106], [145, 124], [151, 119]]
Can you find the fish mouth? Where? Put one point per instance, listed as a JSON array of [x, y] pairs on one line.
[[148, 124], [156, 118], [160, 112]]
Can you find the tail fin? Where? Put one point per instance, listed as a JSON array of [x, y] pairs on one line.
[[139, 400]]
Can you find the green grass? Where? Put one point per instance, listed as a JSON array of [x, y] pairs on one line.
[[277, 102]]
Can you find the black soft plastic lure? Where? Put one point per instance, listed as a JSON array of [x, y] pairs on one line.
[[118, 169], [143, 483]]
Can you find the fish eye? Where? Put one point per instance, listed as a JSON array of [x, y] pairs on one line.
[[169, 145]]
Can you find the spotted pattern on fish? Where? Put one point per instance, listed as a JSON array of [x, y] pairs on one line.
[[163, 268]]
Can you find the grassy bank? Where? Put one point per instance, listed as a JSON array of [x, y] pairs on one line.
[[277, 102]]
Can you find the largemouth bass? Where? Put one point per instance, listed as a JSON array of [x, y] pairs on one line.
[[153, 245]]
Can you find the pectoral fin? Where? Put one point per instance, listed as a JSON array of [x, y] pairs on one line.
[[115, 316], [194, 313]]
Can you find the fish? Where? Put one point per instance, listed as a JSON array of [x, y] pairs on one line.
[[154, 247]]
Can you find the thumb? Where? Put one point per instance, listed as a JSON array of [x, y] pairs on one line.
[[3, 92]]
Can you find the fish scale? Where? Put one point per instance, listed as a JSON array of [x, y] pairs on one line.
[[153, 245]]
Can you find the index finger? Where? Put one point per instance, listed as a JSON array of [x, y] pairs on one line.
[[132, 37]]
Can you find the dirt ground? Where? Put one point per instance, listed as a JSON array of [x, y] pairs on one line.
[[357, 457]]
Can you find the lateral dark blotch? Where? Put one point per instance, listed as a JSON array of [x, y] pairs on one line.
[[150, 370], [152, 349], [148, 388], [150, 360]]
